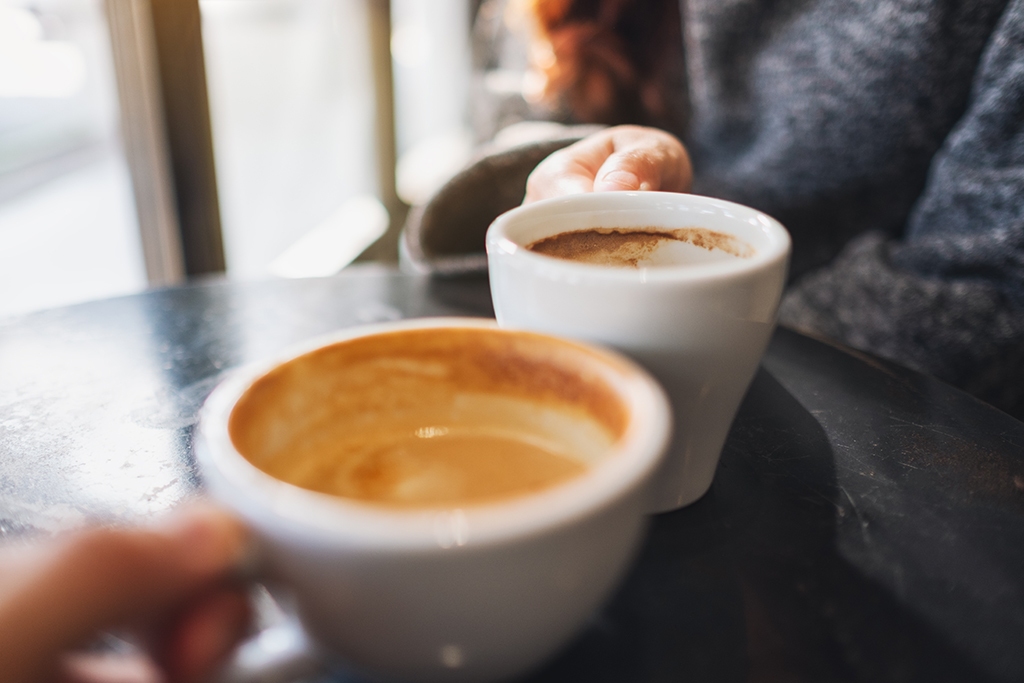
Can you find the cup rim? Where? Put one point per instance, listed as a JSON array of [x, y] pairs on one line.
[[499, 242], [256, 495]]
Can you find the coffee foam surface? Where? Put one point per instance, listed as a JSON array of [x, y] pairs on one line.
[[430, 417], [642, 246]]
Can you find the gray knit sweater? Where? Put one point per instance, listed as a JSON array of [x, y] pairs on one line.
[[888, 136]]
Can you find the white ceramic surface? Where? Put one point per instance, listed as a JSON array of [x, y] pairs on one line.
[[475, 594], [701, 329]]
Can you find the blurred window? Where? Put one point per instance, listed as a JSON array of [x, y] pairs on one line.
[[292, 105], [68, 230], [432, 66], [291, 100], [295, 130]]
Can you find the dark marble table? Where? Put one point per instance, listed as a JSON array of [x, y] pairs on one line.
[[866, 523]]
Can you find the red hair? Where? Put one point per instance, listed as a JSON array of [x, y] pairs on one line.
[[612, 61]]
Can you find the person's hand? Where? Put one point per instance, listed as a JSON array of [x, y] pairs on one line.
[[618, 158], [167, 585]]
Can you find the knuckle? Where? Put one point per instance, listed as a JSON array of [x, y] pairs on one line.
[[640, 161]]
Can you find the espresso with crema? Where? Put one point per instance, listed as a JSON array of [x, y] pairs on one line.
[[642, 247], [430, 418]]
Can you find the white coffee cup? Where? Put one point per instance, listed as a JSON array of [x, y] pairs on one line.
[[700, 328], [475, 593]]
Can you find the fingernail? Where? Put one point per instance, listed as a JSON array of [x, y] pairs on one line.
[[623, 180]]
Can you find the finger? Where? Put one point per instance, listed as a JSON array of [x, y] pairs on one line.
[[644, 159], [205, 634], [570, 170], [109, 668], [190, 650], [101, 578], [618, 158]]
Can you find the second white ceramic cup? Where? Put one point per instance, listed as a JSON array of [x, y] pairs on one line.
[[700, 328]]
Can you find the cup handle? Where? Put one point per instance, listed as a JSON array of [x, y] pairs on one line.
[[281, 653]]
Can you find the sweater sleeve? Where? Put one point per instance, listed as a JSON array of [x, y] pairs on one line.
[[948, 297]]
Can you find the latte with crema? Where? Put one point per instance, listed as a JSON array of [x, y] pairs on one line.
[[431, 418]]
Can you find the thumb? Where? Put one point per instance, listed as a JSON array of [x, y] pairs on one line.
[[60, 595]]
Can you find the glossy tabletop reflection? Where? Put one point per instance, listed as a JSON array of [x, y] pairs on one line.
[[866, 523]]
